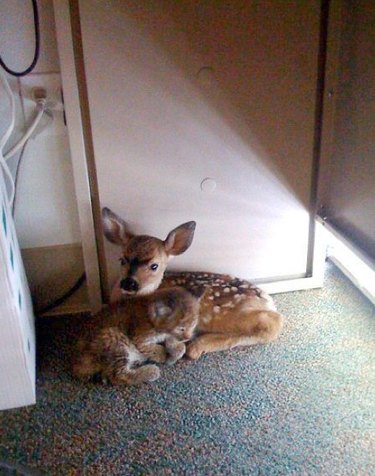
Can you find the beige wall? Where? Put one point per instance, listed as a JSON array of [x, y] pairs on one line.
[[46, 212]]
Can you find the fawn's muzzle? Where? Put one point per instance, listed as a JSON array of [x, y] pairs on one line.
[[129, 285]]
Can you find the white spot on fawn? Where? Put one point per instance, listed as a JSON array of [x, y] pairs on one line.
[[216, 309], [226, 290]]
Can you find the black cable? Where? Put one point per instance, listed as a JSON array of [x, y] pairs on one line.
[[64, 297], [37, 46]]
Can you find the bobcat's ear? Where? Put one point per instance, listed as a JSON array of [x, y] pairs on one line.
[[198, 291], [160, 310]]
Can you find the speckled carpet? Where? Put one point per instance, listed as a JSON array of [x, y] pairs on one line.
[[304, 405]]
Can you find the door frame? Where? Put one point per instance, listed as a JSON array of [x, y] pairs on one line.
[[83, 170]]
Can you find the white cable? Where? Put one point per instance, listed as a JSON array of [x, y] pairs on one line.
[[8, 133], [41, 105], [6, 136], [40, 108]]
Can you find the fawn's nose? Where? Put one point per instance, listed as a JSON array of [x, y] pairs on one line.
[[129, 284]]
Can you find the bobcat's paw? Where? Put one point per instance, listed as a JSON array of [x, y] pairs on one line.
[[150, 373], [194, 351], [145, 374], [175, 353], [158, 354]]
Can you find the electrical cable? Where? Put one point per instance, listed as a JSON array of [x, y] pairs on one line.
[[37, 46], [12, 123], [64, 297], [16, 177], [6, 136], [41, 107]]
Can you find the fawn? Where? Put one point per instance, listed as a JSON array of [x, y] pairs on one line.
[[233, 312], [146, 328]]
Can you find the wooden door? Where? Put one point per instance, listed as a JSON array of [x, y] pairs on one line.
[[347, 179]]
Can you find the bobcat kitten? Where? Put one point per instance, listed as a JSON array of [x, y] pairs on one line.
[[152, 327]]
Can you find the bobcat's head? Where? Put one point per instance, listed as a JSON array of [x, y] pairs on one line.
[[176, 311]]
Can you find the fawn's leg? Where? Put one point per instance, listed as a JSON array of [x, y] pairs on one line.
[[247, 327], [215, 342]]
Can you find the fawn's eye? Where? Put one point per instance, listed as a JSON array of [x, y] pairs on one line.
[[123, 261], [154, 266]]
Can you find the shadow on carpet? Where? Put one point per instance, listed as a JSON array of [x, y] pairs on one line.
[[302, 405]]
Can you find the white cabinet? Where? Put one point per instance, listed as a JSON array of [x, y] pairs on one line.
[[231, 114], [179, 92]]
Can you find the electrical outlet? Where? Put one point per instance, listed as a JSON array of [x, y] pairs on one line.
[[38, 93], [36, 84]]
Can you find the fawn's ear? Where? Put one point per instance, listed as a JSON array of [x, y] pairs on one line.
[[179, 239], [115, 229]]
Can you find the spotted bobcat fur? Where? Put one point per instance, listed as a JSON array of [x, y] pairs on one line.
[[147, 328]]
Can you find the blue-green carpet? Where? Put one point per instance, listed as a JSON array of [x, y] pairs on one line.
[[303, 405]]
